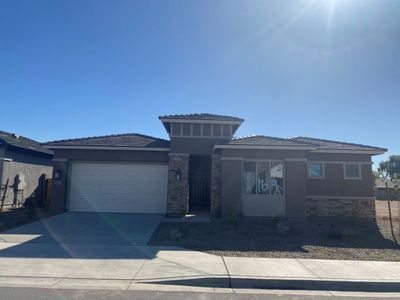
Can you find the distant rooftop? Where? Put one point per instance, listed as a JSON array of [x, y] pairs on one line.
[[115, 140], [202, 116], [381, 183], [18, 141]]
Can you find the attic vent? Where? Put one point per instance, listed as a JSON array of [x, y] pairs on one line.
[[15, 136]]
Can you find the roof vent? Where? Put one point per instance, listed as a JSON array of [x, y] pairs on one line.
[[15, 136]]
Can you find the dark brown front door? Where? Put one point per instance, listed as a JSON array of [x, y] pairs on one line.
[[199, 180]]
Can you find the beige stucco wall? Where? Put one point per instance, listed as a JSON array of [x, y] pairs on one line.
[[31, 173], [296, 189], [334, 183], [231, 187]]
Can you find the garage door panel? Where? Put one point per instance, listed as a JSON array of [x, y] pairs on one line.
[[110, 187]]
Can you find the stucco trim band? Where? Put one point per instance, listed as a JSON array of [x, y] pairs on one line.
[[231, 158]]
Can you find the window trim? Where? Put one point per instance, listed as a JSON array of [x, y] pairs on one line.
[[359, 177], [322, 170]]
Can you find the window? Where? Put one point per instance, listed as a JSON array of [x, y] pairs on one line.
[[276, 176], [176, 128], [196, 129], [217, 130], [352, 171], [249, 177], [186, 129], [206, 129], [263, 178], [226, 130], [315, 170]]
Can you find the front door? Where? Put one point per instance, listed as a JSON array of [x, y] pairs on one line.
[[199, 180]]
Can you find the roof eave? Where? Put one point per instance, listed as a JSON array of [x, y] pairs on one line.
[[351, 151], [171, 120], [29, 150]]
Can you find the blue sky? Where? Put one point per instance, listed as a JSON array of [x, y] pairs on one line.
[[322, 68]]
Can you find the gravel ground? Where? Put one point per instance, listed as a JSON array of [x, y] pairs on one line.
[[14, 217], [259, 238]]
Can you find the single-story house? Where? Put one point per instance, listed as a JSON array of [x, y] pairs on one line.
[[26, 165], [203, 167], [385, 189]]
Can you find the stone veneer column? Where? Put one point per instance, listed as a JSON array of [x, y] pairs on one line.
[[215, 201], [178, 191]]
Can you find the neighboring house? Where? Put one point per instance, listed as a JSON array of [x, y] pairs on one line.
[[202, 167], [26, 164], [383, 192]]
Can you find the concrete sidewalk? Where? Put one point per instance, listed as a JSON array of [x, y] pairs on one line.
[[168, 268]]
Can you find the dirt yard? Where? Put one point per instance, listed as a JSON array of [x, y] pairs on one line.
[[14, 217], [382, 210], [259, 238]]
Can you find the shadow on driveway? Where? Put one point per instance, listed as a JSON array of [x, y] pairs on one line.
[[82, 235]]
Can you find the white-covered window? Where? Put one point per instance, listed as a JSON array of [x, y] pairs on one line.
[[276, 176], [315, 170], [263, 178], [249, 177], [352, 171]]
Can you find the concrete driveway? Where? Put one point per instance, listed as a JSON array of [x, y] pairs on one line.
[[87, 229], [83, 250]]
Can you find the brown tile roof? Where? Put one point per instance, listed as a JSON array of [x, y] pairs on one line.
[[262, 140], [116, 140], [18, 141], [334, 145]]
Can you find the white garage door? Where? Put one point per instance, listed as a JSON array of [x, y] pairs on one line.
[[113, 187]]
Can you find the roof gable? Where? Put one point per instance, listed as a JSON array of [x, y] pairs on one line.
[[18, 141]]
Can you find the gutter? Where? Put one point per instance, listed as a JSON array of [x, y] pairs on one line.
[[349, 151], [236, 122]]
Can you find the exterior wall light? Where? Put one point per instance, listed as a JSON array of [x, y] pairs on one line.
[[57, 175], [178, 175]]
